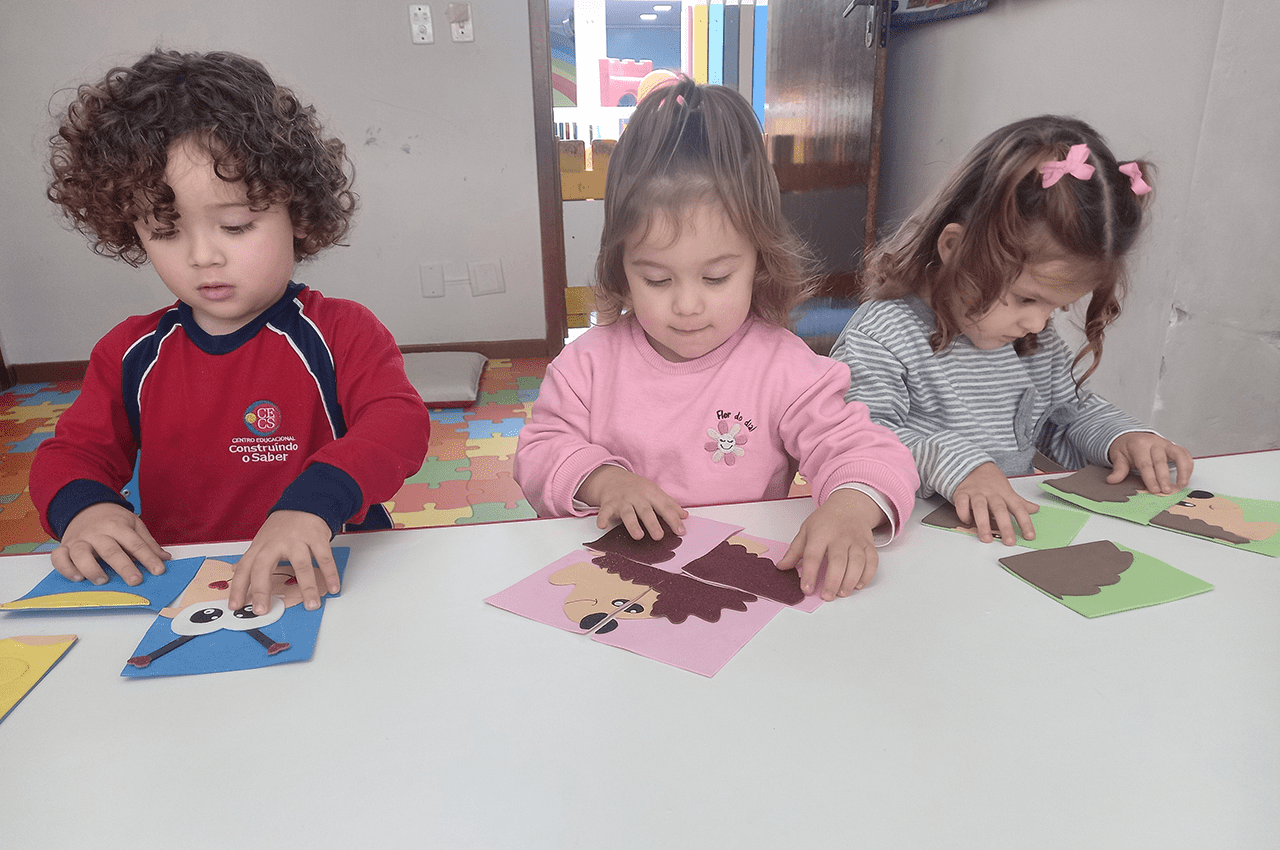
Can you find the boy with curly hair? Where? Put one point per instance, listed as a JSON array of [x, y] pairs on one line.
[[254, 407]]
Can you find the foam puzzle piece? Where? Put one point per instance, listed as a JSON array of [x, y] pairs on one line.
[[1055, 527], [503, 447], [1094, 579], [58, 397], [480, 429], [673, 552], [732, 564], [483, 467], [31, 443], [1250, 524], [696, 645], [502, 488], [428, 515], [501, 397], [434, 470], [42, 411], [1088, 488], [446, 416], [550, 596], [774, 550], [201, 633], [24, 661], [696, 619], [482, 512], [54, 592]]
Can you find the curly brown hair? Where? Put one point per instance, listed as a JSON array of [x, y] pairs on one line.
[[109, 154], [1009, 220], [686, 145]]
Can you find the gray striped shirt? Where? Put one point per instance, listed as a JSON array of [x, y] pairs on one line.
[[964, 407]]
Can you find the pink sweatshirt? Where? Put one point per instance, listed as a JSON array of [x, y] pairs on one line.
[[731, 426]]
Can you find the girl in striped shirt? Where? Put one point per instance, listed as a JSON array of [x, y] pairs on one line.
[[954, 347]]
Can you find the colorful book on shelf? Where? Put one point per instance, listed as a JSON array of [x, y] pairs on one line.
[[731, 35], [715, 42], [700, 13], [760, 58], [746, 49]]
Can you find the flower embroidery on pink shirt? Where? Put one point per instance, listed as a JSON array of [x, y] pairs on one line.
[[726, 442]]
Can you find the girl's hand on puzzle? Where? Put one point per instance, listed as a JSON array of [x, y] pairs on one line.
[[294, 536], [985, 495], [1149, 454], [116, 535], [633, 499], [839, 532]]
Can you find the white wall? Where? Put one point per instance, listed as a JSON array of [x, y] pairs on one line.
[[443, 144], [441, 136], [1194, 87]]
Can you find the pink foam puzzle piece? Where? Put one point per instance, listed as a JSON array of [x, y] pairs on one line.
[[501, 488], [695, 644], [449, 447], [447, 495], [485, 466]]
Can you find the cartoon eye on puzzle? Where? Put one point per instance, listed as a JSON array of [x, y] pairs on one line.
[[207, 617], [597, 594], [611, 582]]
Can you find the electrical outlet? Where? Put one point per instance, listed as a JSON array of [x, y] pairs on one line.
[[432, 277], [486, 277], [420, 24], [460, 28]]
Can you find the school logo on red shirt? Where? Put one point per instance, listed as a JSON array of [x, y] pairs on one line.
[[262, 418]]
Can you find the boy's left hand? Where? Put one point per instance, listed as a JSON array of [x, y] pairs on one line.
[[1150, 455], [294, 536], [840, 531]]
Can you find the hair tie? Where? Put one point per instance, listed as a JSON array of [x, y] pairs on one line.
[[1134, 172], [1074, 163]]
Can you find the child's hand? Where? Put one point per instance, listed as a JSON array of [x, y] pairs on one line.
[[116, 535], [634, 499], [841, 533], [1150, 454], [986, 494], [294, 536]]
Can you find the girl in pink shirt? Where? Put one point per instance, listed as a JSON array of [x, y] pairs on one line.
[[691, 391]]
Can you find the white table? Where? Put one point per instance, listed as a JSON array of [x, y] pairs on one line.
[[948, 705]]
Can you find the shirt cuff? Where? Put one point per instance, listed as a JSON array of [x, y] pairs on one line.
[[75, 497], [885, 531], [324, 490]]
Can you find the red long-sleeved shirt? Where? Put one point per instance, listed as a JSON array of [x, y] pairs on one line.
[[307, 408]]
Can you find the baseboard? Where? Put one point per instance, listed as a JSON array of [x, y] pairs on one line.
[[498, 349], [73, 370], [48, 373]]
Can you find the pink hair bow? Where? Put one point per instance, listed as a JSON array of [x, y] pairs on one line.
[[1134, 172], [1075, 163]]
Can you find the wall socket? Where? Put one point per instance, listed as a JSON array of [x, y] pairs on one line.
[[432, 277], [420, 24], [486, 277], [460, 28]]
